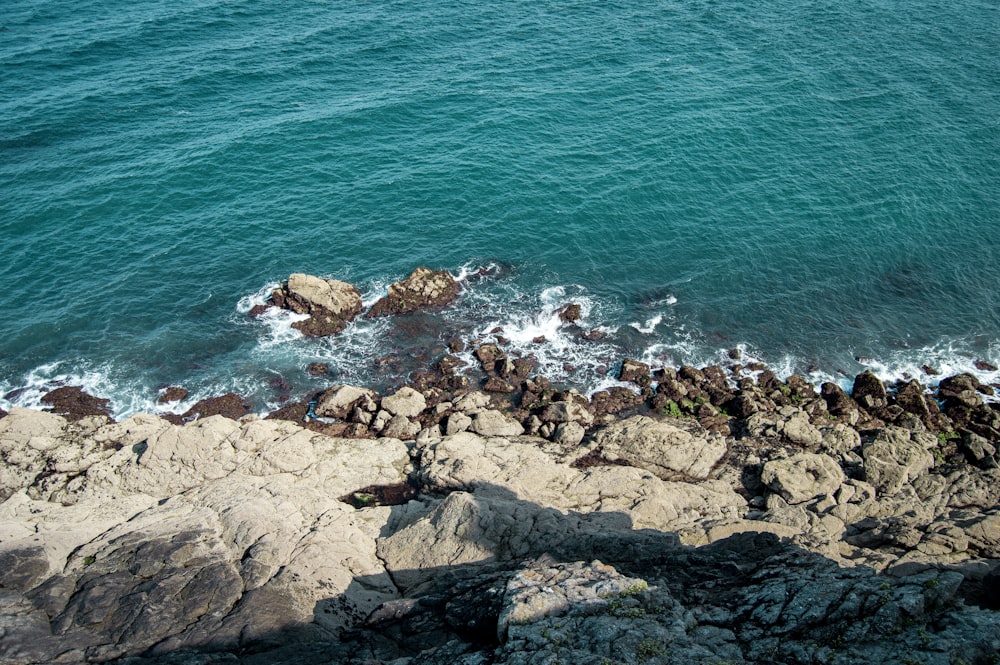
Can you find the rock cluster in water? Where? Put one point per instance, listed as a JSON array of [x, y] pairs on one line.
[[482, 515], [331, 304]]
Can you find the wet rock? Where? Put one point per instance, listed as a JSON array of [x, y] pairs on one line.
[[330, 303], [615, 399], [569, 313], [489, 355], [803, 477], [73, 404], [423, 288], [317, 369], [985, 366], [495, 384], [230, 406], [661, 447], [838, 402], [869, 392], [635, 372], [172, 394]]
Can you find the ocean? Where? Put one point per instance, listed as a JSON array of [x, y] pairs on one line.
[[813, 183]]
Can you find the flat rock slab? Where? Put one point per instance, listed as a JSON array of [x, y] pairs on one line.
[[661, 447]]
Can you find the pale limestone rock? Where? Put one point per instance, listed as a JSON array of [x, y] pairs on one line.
[[803, 477], [569, 434], [473, 402], [800, 431], [405, 402], [340, 400], [401, 427], [457, 422], [894, 458], [333, 295], [495, 423], [567, 412], [661, 447]]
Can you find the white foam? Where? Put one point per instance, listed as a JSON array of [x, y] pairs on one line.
[[649, 327]]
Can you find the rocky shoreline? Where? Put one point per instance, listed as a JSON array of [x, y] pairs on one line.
[[483, 515]]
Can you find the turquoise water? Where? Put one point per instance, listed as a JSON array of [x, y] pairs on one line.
[[814, 182]]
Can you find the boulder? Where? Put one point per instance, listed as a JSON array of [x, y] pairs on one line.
[[341, 400], [869, 392], [636, 372], [330, 303], [423, 288], [895, 457], [401, 427], [661, 447], [567, 412], [803, 477], [494, 423], [405, 402], [568, 434]]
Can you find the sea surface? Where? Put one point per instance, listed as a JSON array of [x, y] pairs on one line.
[[816, 184]]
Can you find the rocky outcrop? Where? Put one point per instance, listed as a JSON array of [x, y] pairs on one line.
[[463, 540], [331, 304], [423, 288], [73, 403]]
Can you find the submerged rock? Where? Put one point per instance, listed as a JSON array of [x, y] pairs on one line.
[[423, 288]]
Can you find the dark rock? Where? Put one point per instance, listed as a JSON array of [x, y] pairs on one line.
[[910, 397], [257, 310], [2, 413], [838, 402], [522, 368], [930, 371], [733, 354], [955, 386], [635, 372], [423, 288], [296, 412], [800, 387], [489, 355], [690, 374], [984, 366], [380, 495], [73, 404], [768, 382], [614, 400], [318, 369], [172, 394], [742, 406], [230, 406], [869, 392], [538, 340], [455, 345], [715, 376], [497, 385], [569, 313], [449, 363], [978, 450], [594, 335]]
